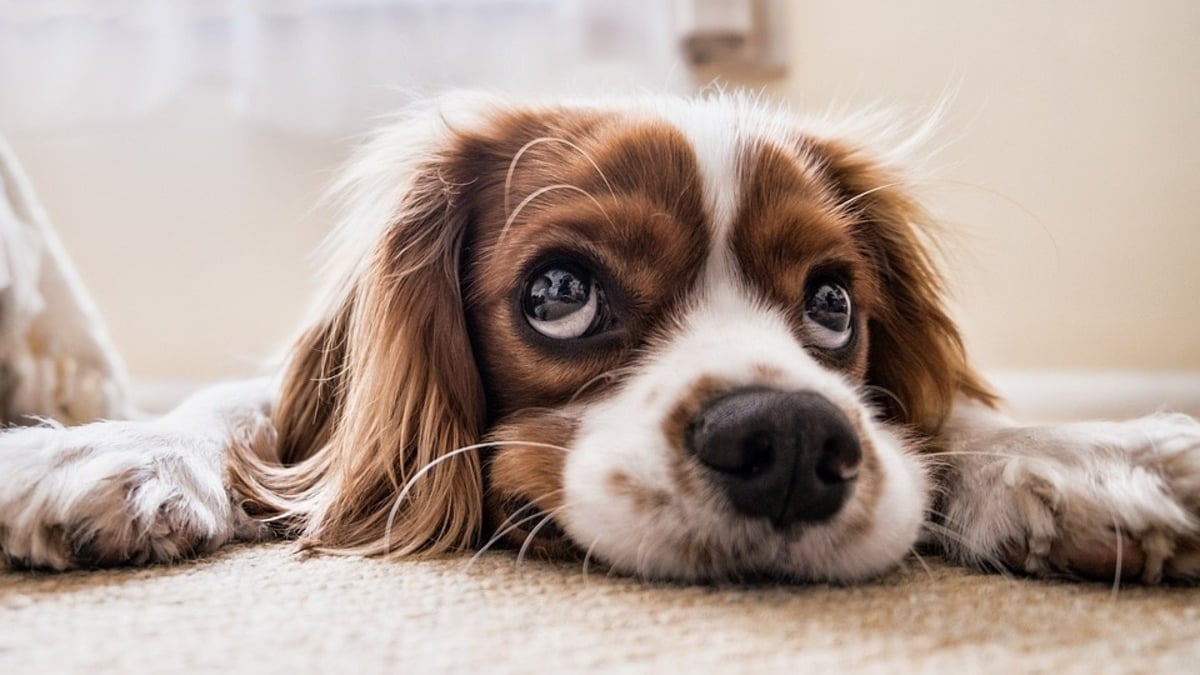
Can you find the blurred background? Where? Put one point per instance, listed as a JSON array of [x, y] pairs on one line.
[[181, 146]]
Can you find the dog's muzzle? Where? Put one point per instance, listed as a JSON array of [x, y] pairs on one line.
[[787, 456]]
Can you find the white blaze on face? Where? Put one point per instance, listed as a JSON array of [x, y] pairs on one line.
[[716, 134], [728, 335]]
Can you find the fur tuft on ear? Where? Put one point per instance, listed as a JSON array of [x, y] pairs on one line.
[[382, 389], [917, 356]]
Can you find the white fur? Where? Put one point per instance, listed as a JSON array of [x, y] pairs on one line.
[[1064, 492]]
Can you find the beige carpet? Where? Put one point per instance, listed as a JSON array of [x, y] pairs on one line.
[[260, 609]]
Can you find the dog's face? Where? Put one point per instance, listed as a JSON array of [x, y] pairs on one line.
[[694, 340]]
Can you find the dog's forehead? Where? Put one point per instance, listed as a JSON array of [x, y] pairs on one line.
[[724, 141], [712, 165], [773, 211], [717, 136], [664, 195]]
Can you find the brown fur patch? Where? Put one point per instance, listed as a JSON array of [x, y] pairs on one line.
[[525, 476], [688, 477], [917, 353], [699, 393], [643, 498]]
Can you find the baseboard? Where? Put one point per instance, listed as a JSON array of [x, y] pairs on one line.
[[1053, 395]]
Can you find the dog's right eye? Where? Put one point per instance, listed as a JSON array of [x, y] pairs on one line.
[[827, 315], [563, 301]]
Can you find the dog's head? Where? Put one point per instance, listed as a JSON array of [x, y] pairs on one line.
[[693, 339]]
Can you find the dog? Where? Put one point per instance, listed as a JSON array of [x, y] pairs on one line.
[[691, 339]]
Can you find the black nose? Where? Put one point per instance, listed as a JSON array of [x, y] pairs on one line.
[[786, 456]]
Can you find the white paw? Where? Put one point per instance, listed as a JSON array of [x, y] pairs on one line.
[[1093, 499], [113, 493]]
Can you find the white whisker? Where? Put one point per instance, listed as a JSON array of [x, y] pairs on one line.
[[538, 193], [587, 556], [529, 538], [507, 526], [391, 519], [921, 560], [512, 166], [867, 193], [606, 375]]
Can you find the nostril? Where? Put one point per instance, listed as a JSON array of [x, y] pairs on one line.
[[839, 462]]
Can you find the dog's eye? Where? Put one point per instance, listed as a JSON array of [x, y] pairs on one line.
[[562, 301], [827, 315]]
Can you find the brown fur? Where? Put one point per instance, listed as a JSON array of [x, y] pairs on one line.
[[788, 230], [378, 391], [527, 469], [916, 352], [642, 198]]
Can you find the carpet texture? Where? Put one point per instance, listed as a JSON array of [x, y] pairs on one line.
[[262, 609]]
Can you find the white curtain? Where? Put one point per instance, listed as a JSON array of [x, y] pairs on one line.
[[319, 66]]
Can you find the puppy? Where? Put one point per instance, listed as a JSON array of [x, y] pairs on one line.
[[691, 339]]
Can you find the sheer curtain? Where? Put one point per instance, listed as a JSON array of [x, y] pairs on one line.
[[319, 66]]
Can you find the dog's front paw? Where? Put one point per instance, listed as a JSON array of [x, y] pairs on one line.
[[112, 493], [1094, 499]]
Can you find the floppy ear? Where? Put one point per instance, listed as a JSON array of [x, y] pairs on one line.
[[916, 352], [383, 387]]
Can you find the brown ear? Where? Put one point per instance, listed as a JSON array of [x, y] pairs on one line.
[[383, 386], [917, 359]]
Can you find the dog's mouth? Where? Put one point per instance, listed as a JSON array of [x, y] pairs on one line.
[[533, 533]]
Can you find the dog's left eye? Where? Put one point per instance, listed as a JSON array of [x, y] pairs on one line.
[[562, 301], [827, 315]]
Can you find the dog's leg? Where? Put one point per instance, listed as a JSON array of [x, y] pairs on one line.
[[132, 492], [1092, 499], [56, 359]]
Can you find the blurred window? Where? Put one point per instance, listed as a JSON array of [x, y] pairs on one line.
[[321, 66]]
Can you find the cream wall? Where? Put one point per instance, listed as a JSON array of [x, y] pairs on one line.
[[193, 230], [1071, 180], [1072, 176]]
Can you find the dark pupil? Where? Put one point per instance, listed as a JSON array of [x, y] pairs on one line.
[[830, 307], [556, 293]]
